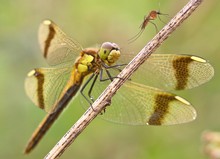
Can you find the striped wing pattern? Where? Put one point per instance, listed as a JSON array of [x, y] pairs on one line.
[[46, 86], [56, 46], [138, 104], [174, 72], [148, 106]]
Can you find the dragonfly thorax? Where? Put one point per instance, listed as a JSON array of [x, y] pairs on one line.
[[88, 61]]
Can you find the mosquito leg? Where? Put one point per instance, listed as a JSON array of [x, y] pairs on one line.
[[161, 19], [131, 40], [155, 26]]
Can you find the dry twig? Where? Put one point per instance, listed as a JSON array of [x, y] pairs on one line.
[[100, 104]]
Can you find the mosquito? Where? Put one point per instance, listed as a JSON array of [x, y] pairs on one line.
[[147, 19]]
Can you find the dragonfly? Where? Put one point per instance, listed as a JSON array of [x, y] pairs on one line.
[[147, 19], [73, 69]]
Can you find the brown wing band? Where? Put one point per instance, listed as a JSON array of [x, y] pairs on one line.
[[49, 39], [40, 83], [180, 66], [161, 108]]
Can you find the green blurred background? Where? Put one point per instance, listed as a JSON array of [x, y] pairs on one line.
[[91, 23]]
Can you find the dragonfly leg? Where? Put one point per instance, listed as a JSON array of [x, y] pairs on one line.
[[91, 87], [119, 65], [94, 76], [106, 79], [110, 77], [90, 100], [84, 86], [108, 103], [114, 66]]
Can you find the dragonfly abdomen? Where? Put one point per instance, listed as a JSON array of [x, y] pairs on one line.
[[50, 118]]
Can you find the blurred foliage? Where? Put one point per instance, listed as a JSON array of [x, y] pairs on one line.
[[91, 23], [211, 144]]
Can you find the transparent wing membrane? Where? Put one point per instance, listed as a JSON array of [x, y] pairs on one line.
[[150, 106], [173, 72], [56, 46], [135, 104], [45, 86]]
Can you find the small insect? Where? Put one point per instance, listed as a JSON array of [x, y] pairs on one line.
[[147, 19]]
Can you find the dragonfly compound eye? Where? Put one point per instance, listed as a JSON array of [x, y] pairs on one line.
[[110, 46]]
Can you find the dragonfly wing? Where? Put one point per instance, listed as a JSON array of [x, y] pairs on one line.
[[173, 72], [56, 46], [46, 86], [137, 104]]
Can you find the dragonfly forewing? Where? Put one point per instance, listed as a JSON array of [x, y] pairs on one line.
[[56, 46]]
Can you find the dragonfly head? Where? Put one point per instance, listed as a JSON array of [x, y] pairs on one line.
[[109, 53]]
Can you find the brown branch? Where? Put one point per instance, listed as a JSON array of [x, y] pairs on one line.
[[104, 99]]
